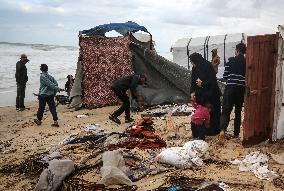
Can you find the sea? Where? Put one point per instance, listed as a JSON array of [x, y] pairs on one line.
[[61, 61]]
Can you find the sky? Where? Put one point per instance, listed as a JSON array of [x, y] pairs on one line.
[[59, 21]]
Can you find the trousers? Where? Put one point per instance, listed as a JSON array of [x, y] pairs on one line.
[[49, 100], [20, 99], [125, 107], [233, 96]]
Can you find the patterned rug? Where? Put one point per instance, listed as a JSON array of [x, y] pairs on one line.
[[104, 60]]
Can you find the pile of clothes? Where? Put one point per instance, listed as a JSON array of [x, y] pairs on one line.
[[141, 135]]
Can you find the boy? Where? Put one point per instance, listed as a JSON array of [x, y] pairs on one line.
[[48, 89]]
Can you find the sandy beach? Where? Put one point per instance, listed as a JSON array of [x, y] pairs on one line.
[[21, 138]]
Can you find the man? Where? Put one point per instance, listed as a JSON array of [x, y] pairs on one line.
[[215, 60], [120, 86], [21, 79], [235, 88], [47, 90]]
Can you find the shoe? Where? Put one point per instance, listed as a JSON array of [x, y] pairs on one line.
[[21, 109], [129, 120], [38, 122], [55, 124], [114, 119]]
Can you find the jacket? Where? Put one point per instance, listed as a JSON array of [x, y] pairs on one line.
[[201, 115], [235, 70], [48, 85], [21, 73], [125, 83]]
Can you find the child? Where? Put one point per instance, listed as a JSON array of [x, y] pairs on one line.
[[69, 84], [200, 120]]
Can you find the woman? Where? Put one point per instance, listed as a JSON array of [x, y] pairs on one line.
[[205, 88]]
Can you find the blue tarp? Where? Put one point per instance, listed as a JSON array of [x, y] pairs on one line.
[[122, 28]]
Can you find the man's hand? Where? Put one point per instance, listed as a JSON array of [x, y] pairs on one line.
[[198, 82]]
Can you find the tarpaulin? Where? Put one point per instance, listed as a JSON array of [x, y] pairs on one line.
[[122, 28]]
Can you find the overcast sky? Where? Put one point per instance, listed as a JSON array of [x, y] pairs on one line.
[[58, 21]]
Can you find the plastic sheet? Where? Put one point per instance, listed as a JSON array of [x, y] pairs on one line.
[[114, 169]]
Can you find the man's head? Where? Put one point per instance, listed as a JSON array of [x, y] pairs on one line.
[[24, 58], [240, 49], [142, 79], [43, 67]]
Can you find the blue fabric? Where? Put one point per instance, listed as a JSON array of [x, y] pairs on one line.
[[122, 28], [48, 85]]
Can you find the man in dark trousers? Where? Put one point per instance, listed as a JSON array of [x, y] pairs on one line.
[[234, 75], [120, 86], [21, 79]]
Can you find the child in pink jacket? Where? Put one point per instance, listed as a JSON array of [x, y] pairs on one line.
[[200, 120]]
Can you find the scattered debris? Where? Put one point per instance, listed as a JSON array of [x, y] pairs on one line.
[[51, 178], [257, 163], [82, 116], [186, 156], [114, 169]]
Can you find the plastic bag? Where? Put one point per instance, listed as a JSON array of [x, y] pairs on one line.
[[114, 169], [186, 156]]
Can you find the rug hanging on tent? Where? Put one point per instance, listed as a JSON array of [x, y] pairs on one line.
[[104, 60]]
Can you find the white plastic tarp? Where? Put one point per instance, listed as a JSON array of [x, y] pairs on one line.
[[278, 125]]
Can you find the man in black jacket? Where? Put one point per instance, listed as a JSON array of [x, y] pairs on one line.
[[21, 79], [235, 88], [120, 86]]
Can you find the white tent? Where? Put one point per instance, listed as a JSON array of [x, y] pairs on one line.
[[278, 126], [225, 44]]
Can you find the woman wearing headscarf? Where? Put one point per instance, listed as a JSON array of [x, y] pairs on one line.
[[205, 90]]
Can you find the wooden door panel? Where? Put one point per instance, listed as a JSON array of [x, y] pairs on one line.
[[260, 82]]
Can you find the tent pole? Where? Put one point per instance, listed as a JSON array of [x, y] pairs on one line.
[[207, 47], [187, 51], [225, 49]]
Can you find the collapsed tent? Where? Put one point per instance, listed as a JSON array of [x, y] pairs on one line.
[[225, 45], [104, 59]]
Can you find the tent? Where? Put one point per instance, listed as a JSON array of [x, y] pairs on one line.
[[103, 59], [278, 125], [225, 44]]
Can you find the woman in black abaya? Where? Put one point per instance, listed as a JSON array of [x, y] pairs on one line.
[[205, 88]]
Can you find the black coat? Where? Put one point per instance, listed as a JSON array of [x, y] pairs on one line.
[[209, 92], [21, 72]]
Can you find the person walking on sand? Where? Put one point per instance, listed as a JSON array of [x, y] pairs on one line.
[[21, 79], [47, 90], [120, 86], [234, 92], [215, 60]]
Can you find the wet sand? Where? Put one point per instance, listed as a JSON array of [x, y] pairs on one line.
[[20, 137]]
